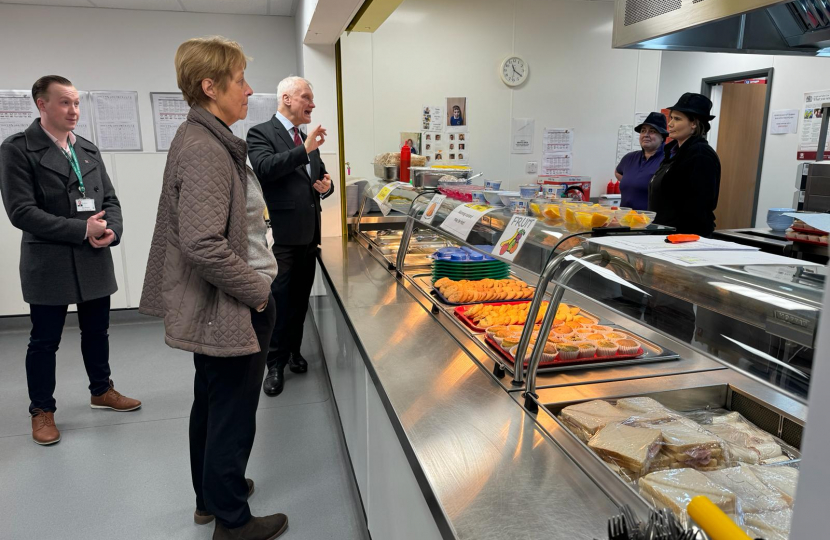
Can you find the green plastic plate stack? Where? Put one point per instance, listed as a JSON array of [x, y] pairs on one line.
[[466, 263]]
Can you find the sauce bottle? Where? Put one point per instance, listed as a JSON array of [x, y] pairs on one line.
[[406, 159]]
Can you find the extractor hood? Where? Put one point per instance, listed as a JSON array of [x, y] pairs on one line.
[[800, 27]]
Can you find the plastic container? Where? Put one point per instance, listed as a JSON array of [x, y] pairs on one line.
[[478, 197], [493, 185], [636, 219], [553, 191], [406, 158], [519, 205], [528, 191], [507, 196]]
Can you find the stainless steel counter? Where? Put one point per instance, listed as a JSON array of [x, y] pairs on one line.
[[488, 468]]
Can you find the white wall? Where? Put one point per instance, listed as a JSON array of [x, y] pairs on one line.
[[114, 49], [429, 50], [682, 72]]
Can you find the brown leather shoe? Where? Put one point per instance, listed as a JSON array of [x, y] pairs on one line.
[[203, 517], [111, 399], [44, 430], [258, 528]]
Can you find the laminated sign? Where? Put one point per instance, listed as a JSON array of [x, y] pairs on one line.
[[463, 217], [514, 237]]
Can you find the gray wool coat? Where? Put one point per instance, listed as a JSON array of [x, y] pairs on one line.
[[57, 265]]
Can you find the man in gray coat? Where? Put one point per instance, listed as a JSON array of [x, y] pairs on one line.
[[56, 190]]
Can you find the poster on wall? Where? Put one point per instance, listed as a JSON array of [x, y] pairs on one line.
[[456, 114], [557, 144], [432, 118], [456, 148], [18, 111], [169, 111], [625, 141], [412, 139], [811, 126], [261, 107], [432, 147], [115, 116]]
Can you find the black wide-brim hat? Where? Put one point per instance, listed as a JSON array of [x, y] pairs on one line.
[[655, 120], [696, 104]]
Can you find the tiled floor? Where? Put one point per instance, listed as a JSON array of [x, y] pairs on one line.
[[126, 475]]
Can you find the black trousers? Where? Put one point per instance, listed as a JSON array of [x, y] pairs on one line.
[[223, 425], [45, 338], [291, 290]]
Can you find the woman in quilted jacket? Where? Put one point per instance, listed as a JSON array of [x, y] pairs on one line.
[[209, 275]]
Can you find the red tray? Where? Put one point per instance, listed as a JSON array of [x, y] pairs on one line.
[[557, 362], [460, 310], [800, 241], [808, 231]]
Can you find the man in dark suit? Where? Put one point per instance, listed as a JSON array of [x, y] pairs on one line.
[[56, 190], [294, 181]]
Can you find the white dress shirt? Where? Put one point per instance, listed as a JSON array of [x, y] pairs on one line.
[[290, 128]]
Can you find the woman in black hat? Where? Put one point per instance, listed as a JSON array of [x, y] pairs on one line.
[[684, 190]]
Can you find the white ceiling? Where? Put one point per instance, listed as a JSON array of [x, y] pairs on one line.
[[284, 8]]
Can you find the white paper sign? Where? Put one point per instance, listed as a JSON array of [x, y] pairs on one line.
[[514, 237], [522, 136], [655, 243], [784, 121], [606, 273], [625, 141], [432, 208], [462, 219], [116, 120], [169, 111], [432, 118]]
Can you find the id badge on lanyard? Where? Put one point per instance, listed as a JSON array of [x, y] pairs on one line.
[[84, 204]]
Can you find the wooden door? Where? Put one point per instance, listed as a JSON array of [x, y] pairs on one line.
[[739, 145]]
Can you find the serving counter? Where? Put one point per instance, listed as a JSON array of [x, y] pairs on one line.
[[447, 440]]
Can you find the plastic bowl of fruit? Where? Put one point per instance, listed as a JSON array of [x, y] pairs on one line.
[[636, 219], [537, 207]]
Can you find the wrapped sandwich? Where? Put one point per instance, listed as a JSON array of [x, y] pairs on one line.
[[744, 442], [675, 489], [630, 448], [688, 445], [780, 478], [769, 525], [753, 495], [585, 419]]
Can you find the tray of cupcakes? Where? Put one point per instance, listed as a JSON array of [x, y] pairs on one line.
[[575, 345]]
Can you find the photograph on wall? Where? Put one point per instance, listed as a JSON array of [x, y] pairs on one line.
[[412, 139], [432, 145], [456, 114], [458, 148]]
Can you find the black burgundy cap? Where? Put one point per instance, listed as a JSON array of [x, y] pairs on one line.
[[696, 104], [655, 120]]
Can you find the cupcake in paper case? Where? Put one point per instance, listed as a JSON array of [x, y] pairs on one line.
[[586, 349], [585, 331], [555, 339], [548, 354], [563, 331], [573, 338], [600, 328], [568, 351], [573, 324], [607, 348], [509, 343], [613, 336], [595, 337], [628, 346]]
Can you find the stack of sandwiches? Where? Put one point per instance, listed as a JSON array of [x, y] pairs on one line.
[[585, 419], [754, 496], [769, 525], [675, 489], [630, 448], [744, 442]]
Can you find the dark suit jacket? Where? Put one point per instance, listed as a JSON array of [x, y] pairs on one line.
[[293, 204], [57, 265]]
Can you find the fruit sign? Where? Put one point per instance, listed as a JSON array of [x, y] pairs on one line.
[[514, 236]]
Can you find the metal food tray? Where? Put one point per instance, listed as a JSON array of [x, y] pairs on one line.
[[651, 353], [437, 294], [459, 313]]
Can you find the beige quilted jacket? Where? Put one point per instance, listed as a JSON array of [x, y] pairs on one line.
[[197, 276]]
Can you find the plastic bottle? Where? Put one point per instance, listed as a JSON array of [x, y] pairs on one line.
[[609, 189], [406, 159], [617, 187]]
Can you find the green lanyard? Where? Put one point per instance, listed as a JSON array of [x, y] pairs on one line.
[[73, 161]]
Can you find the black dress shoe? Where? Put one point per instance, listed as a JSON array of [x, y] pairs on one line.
[[274, 381], [297, 364]]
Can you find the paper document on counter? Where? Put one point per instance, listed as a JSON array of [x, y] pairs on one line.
[[817, 221], [726, 258], [656, 243]]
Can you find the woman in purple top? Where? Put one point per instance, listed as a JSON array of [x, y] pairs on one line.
[[636, 168]]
